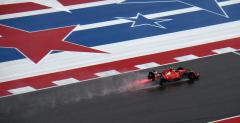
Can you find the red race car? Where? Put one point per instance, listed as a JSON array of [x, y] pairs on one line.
[[172, 74]]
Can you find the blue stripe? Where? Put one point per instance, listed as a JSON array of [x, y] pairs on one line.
[[87, 15], [8, 54]]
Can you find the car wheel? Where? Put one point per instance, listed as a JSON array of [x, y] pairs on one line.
[[151, 76], [192, 76], [161, 81]]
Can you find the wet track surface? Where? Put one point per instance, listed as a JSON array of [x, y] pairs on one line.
[[216, 95]]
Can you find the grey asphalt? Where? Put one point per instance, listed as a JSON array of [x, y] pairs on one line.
[[216, 95]]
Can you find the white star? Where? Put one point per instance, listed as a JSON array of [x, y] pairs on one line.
[[141, 20], [49, 3]]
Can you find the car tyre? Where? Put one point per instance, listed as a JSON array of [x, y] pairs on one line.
[[192, 76], [161, 81], [151, 76]]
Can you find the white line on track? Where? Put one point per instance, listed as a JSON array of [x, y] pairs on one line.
[[236, 53], [224, 119]]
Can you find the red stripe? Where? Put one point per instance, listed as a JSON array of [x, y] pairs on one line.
[[20, 7], [230, 120], [28, 6], [84, 73]]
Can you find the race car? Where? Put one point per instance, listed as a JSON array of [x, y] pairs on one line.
[[172, 74]]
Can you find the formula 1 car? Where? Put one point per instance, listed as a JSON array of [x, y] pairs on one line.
[[172, 74]]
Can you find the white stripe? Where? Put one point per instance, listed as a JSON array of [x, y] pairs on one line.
[[155, 44], [100, 3], [147, 65], [186, 57], [65, 81], [22, 90], [224, 50], [107, 73]]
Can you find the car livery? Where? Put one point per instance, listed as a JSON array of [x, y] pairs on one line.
[[172, 74]]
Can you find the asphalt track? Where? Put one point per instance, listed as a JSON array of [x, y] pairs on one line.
[[215, 96]]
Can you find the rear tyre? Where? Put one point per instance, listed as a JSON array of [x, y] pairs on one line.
[[192, 76], [151, 76], [161, 81]]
